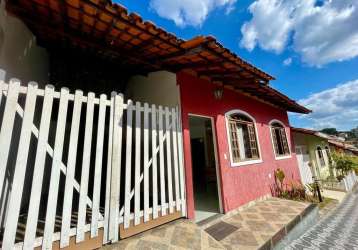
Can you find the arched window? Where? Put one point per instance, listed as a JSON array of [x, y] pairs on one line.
[[242, 137], [320, 157], [279, 139]]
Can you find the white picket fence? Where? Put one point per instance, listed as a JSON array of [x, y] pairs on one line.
[[349, 181], [346, 184], [143, 144]]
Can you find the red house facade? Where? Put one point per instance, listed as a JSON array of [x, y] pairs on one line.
[[252, 179]]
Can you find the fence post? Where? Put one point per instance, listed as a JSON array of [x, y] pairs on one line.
[[106, 237], [318, 191], [345, 184], [137, 163], [70, 171], [116, 166], [86, 159], [128, 175], [55, 169], [98, 165]]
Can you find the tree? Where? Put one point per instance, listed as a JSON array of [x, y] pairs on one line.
[[344, 163], [330, 131], [355, 132]]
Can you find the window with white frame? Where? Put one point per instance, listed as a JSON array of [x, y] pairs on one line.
[[321, 160], [279, 139], [328, 152], [243, 139]]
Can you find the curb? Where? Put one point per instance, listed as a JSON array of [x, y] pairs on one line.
[[271, 243]]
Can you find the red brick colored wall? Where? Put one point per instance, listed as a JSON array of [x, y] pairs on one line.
[[241, 184]]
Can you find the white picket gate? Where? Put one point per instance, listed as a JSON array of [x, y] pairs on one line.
[[140, 178]]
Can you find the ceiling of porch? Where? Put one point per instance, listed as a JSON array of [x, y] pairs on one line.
[[107, 30]]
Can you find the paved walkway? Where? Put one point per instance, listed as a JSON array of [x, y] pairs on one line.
[[339, 230], [249, 228], [180, 234], [334, 199], [254, 227], [337, 195], [328, 208]]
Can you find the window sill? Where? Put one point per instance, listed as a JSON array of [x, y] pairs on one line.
[[283, 157], [243, 163]]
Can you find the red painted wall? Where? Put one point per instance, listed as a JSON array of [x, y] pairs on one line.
[[241, 184]]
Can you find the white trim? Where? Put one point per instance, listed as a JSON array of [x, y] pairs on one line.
[[282, 157], [247, 162], [217, 170], [181, 145], [326, 164]]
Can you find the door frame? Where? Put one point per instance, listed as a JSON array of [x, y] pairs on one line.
[[302, 152], [217, 169]]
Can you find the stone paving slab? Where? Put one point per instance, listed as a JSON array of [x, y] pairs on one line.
[[250, 228], [261, 222], [179, 234]]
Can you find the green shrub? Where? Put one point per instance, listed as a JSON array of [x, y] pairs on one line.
[[344, 163], [292, 190]]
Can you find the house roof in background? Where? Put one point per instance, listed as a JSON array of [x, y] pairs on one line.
[[333, 140], [343, 145], [109, 31], [314, 133], [304, 131]]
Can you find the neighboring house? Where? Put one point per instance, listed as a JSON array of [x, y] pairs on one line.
[[203, 135], [343, 147], [353, 142], [312, 150]]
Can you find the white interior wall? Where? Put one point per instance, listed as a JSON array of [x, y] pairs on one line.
[[158, 88], [20, 56]]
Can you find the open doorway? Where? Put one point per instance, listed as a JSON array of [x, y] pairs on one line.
[[204, 165]]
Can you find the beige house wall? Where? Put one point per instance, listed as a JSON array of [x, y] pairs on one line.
[[159, 88], [312, 142]]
